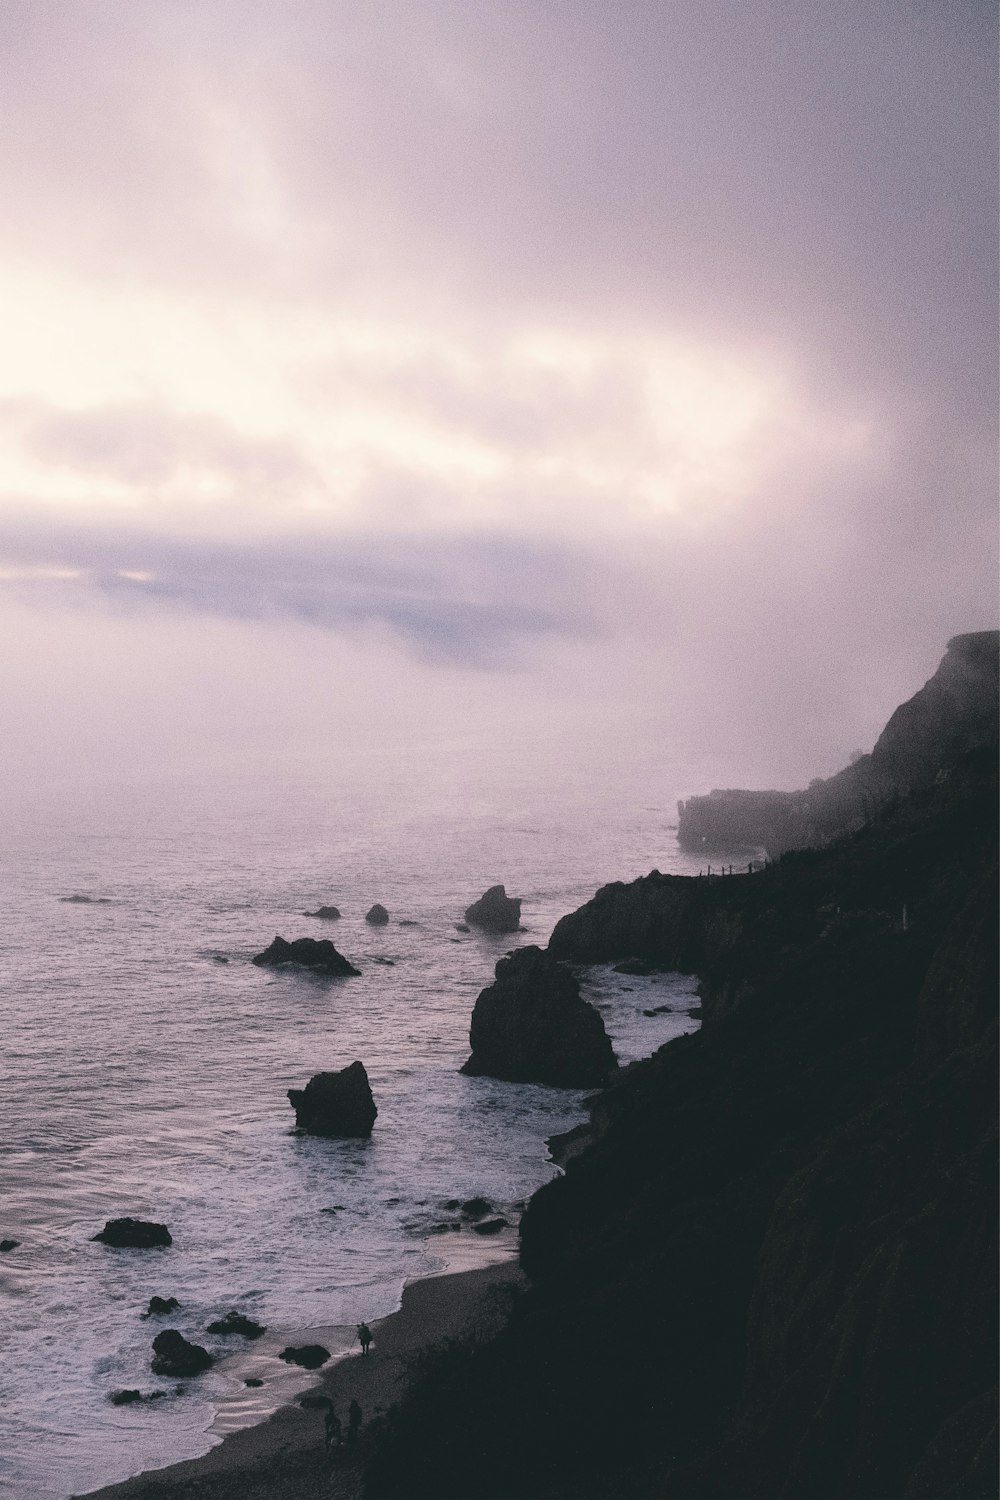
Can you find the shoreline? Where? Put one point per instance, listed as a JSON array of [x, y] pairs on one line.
[[284, 1456]]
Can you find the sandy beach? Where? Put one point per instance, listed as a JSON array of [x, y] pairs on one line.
[[285, 1456]]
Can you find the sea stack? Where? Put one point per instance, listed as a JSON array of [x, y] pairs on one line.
[[335, 1104], [495, 911], [378, 916], [532, 1026], [317, 954]]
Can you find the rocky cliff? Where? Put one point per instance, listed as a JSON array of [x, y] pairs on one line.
[[772, 1271], [954, 712]]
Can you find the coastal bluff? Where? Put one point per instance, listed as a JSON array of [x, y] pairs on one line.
[[956, 711], [769, 1268]]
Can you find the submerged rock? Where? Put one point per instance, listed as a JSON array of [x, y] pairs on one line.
[[635, 966], [133, 1234], [253, 1382], [326, 913], [335, 1104], [476, 1208], [317, 954], [86, 900], [378, 916], [124, 1398], [6, 1245], [495, 911], [533, 1026], [309, 1356], [173, 1355], [236, 1322]]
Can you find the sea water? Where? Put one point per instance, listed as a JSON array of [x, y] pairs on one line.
[[146, 1062]]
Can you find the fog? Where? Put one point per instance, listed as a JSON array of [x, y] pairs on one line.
[[579, 380]]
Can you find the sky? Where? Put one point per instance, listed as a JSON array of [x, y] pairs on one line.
[[612, 373]]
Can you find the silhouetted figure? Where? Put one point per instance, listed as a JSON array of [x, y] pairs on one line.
[[353, 1421], [333, 1430], [365, 1336]]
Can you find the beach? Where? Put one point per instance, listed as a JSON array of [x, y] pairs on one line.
[[285, 1456]]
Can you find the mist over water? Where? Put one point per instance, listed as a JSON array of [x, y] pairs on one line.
[[143, 1076]]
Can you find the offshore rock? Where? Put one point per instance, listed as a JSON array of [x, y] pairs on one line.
[[6, 1245], [317, 954], [532, 1026], [133, 1234], [160, 1306], [495, 911], [378, 916], [174, 1356], [335, 1104], [327, 913]]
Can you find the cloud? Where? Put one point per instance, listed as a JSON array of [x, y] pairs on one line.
[[664, 329], [146, 447], [476, 602]]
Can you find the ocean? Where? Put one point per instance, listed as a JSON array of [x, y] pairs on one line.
[[142, 1075]]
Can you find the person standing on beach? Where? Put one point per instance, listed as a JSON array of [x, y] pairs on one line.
[[353, 1421], [365, 1336]]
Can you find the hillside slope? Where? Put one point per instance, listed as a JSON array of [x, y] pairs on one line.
[[772, 1272], [954, 712]]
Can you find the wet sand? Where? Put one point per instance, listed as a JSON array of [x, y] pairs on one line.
[[284, 1458]]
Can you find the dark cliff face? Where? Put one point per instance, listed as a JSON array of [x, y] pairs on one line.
[[955, 712], [772, 1272]]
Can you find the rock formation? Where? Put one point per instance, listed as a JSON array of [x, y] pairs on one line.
[[955, 712], [335, 1104], [656, 919], [174, 1356], [133, 1234], [159, 1307], [326, 913], [489, 1226], [317, 954], [532, 1026], [377, 916], [237, 1323], [309, 1356], [495, 911]]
